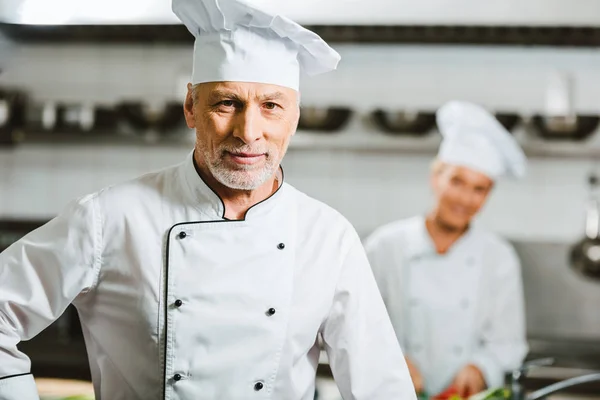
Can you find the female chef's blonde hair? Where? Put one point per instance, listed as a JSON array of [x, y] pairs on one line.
[[437, 166]]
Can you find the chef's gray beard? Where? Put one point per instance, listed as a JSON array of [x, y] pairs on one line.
[[243, 178]]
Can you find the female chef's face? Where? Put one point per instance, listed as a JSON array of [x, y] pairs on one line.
[[460, 193], [242, 129]]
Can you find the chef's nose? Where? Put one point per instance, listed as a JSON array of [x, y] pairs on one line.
[[247, 125]]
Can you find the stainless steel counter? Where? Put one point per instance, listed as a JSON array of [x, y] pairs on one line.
[[574, 354]]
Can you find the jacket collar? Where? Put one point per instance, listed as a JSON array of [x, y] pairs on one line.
[[420, 243], [206, 200]]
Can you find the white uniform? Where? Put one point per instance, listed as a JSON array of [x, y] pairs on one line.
[[178, 303], [451, 310]]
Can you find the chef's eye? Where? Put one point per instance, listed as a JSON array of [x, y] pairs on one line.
[[456, 181], [227, 103], [270, 105]]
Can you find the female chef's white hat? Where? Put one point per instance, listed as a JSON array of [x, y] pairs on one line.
[[236, 41], [473, 138]]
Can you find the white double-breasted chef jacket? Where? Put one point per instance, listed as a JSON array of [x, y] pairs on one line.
[[176, 302], [463, 307]]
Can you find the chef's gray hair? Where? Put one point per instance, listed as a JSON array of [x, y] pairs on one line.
[[195, 93]]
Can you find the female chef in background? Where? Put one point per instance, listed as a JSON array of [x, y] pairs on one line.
[[454, 290]]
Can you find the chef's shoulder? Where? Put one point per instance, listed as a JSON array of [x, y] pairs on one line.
[[140, 194], [320, 219], [318, 212], [393, 234], [499, 251]]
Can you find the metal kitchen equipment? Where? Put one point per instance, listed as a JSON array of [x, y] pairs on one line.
[[516, 384], [571, 127], [152, 120], [508, 120], [562, 385], [404, 122], [12, 108], [585, 255], [326, 119]]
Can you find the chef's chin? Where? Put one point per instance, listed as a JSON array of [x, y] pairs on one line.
[[451, 222], [243, 179]]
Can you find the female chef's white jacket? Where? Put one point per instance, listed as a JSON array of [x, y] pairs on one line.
[[463, 307], [178, 303]]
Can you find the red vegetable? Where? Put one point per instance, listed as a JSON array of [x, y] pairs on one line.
[[446, 394]]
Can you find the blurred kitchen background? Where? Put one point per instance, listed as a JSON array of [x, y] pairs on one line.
[[91, 94]]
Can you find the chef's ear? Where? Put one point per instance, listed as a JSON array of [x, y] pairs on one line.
[[188, 106], [297, 117]]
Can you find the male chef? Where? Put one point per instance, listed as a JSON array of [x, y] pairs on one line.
[[211, 279], [452, 289]]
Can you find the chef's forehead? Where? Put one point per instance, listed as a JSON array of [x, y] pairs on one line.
[[454, 169], [245, 90]]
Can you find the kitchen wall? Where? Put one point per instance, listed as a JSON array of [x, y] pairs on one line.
[[36, 181], [369, 76], [370, 189]]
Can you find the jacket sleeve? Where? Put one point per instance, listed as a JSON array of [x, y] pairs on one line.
[[503, 340], [40, 275], [364, 355]]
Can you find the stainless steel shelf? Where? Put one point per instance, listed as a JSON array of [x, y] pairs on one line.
[[429, 144], [350, 140]]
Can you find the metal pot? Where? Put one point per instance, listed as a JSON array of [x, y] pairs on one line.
[[575, 127], [404, 122], [323, 119], [585, 255], [143, 117], [83, 117], [12, 108], [41, 117], [75, 118], [508, 120]]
